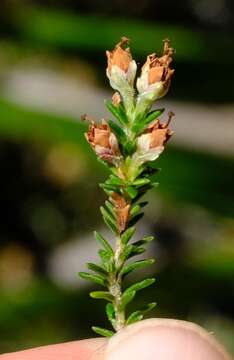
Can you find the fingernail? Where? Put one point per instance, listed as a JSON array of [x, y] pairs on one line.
[[164, 339]]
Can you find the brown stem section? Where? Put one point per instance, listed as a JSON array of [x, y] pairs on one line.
[[122, 208]]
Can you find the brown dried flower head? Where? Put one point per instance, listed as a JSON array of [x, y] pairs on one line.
[[151, 143], [156, 73], [120, 56], [121, 68], [104, 142]]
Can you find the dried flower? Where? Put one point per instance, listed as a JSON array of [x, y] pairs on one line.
[[121, 70], [104, 142], [120, 66], [156, 75], [151, 143], [121, 210]]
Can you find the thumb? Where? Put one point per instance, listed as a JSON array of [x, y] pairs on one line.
[[164, 339]]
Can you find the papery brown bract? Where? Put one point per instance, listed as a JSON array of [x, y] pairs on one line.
[[121, 210]]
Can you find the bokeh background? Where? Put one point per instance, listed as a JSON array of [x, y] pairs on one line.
[[52, 70]]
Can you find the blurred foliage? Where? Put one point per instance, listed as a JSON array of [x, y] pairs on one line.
[[198, 52], [187, 176], [201, 279]]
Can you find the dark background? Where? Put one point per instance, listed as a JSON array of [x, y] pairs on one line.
[[52, 69]]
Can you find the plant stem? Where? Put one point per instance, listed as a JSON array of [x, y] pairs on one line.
[[115, 287], [127, 148], [119, 261]]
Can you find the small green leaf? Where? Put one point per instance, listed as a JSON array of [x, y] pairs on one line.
[[108, 192], [129, 147], [154, 184], [119, 132], [102, 331], [136, 250], [96, 268], [132, 250], [134, 317], [141, 182], [148, 307], [109, 187], [96, 278], [107, 260], [145, 240], [148, 238], [143, 204], [135, 210], [140, 123], [153, 115], [128, 234], [126, 253], [117, 111], [106, 214], [131, 191], [122, 112], [138, 315], [114, 180], [103, 242], [149, 170], [111, 226], [110, 222], [105, 295], [140, 285], [110, 312], [126, 299], [110, 208], [135, 219], [138, 244], [105, 255], [136, 265], [141, 192]]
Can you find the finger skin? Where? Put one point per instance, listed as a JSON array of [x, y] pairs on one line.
[[152, 339], [90, 349], [164, 339]]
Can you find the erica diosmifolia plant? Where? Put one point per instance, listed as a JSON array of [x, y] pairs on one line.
[[129, 146]]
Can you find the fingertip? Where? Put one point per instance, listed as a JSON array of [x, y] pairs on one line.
[[90, 349], [164, 339]]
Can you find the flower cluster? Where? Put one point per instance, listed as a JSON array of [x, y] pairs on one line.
[[152, 84], [128, 146]]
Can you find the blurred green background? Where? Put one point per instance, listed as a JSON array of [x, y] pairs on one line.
[[52, 70]]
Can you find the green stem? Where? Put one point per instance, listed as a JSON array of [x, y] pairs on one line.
[[115, 287], [115, 278]]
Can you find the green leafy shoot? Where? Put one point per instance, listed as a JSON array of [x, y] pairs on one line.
[[129, 145]]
